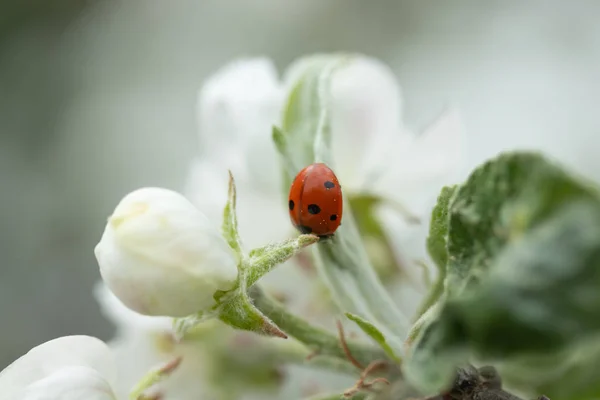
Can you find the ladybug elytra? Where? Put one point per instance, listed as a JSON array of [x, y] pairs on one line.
[[315, 201]]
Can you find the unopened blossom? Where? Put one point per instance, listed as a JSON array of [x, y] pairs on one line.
[[161, 256], [67, 368]]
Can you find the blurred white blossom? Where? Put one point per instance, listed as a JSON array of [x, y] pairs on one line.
[[161, 256], [67, 368], [237, 108], [144, 342]]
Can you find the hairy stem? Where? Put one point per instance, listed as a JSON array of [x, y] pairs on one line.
[[322, 342], [433, 295]]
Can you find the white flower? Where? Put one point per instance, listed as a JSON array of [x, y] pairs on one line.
[[67, 368], [143, 342], [161, 256], [374, 153], [237, 108]]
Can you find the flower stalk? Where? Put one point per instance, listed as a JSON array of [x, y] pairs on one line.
[[318, 340], [152, 378]]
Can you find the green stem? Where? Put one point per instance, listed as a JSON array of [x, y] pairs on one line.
[[319, 340], [295, 352], [152, 378], [435, 292], [420, 323], [263, 260]]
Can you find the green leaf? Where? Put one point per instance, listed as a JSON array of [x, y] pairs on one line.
[[237, 310], [375, 334], [183, 326], [438, 230], [305, 134], [571, 374], [342, 261], [437, 245], [500, 202], [377, 243], [306, 119], [523, 262], [230, 225]]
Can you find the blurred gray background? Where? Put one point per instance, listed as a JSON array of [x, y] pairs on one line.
[[98, 97]]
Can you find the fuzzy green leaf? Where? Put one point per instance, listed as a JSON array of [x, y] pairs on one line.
[[500, 202], [230, 224], [437, 241], [437, 245], [523, 262], [236, 310], [342, 261], [375, 334], [382, 255], [571, 374]]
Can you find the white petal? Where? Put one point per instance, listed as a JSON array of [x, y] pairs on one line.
[[126, 320], [207, 186], [262, 214], [161, 256], [423, 164], [237, 108], [295, 70], [140, 353], [72, 383], [366, 115], [263, 218], [48, 358]]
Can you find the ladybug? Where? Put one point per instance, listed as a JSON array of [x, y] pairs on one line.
[[315, 201]]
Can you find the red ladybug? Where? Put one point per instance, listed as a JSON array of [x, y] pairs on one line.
[[315, 201]]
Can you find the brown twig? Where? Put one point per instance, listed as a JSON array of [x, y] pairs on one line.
[[362, 383], [312, 355], [344, 344], [169, 367], [157, 396]]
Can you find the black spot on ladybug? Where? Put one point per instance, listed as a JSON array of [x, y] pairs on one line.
[[333, 217], [304, 229], [314, 209], [329, 185], [291, 204]]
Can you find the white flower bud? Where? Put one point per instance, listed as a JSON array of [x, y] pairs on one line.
[[161, 256]]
